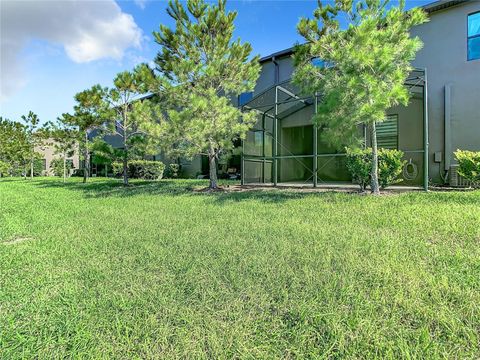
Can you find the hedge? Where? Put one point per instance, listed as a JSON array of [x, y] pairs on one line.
[[141, 169]]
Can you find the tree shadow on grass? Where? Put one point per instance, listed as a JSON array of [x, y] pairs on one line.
[[114, 188]]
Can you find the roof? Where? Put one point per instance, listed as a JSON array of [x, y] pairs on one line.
[[442, 4], [429, 8], [280, 53]]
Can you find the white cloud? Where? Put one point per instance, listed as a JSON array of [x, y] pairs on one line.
[[87, 30], [140, 3]]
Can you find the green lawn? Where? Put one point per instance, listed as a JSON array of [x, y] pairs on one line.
[[158, 271]]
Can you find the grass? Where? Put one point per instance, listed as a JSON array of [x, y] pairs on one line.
[[158, 271]]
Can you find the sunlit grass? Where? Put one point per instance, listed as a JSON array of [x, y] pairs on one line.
[[159, 271]]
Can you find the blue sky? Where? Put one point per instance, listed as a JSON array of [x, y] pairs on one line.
[[47, 66]]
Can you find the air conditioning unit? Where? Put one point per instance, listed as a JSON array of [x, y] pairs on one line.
[[457, 180]]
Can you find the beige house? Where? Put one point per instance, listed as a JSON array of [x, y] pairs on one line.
[[48, 154]]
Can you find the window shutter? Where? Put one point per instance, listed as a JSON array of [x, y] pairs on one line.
[[387, 133]]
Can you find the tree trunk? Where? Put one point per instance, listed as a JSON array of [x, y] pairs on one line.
[[106, 170], [213, 170], [375, 187], [125, 161], [64, 168], [125, 146], [86, 165], [125, 171], [31, 169]]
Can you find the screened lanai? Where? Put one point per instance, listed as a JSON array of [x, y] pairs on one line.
[[285, 148]]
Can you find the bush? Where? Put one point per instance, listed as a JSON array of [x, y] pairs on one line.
[[57, 166], [24, 170], [172, 171], [141, 169], [77, 173], [4, 168], [390, 165], [359, 164], [38, 167], [469, 165]]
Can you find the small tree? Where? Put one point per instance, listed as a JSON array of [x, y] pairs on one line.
[[65, 142], [129, 114], [34, 137], [61, 167], [201, 69], [90, 113], [364, 67], [4, 168], [103, 153]]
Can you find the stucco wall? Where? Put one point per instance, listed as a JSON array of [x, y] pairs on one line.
[[445, 57], [48, 153]]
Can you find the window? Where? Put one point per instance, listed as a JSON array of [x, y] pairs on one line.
[[473, 41], [317, 62], [244, 98], [387, 133]]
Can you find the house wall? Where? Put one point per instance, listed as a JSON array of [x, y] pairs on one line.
[[48, 154], [445, 57]]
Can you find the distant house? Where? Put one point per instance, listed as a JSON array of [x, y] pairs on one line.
[[47, 152]]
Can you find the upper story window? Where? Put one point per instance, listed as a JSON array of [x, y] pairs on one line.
[[317, 62], [473, 36], [244, 98]]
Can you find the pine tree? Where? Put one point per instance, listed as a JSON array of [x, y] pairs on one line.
[[64, 139], [90, 113], [130, 115], [364, 67], [201, 69], [34, 137]]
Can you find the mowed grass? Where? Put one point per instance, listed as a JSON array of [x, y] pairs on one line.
[[158, 271]]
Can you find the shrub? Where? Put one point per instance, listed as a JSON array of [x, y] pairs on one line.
[[117, 168], [469, 165], [172, 171], [390, 165], [141, 169], [359, 164], [38, 167], [57, 166], [4, 168]]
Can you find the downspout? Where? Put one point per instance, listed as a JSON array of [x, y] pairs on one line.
[[448, 126], [242, 172], [276, 70], [425, 133]]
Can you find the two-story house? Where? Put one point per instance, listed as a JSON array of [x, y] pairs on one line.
[[443, 114]]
